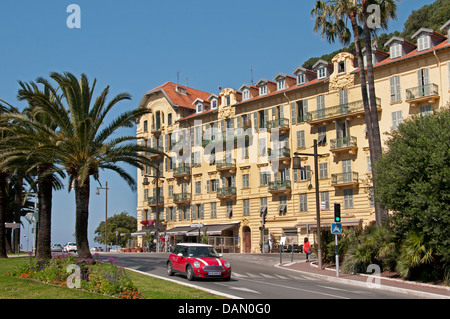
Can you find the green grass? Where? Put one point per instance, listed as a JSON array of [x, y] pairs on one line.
[[151, 288]]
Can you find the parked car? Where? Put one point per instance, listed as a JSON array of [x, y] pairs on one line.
[[94, 249], [57, 248], [70, 247], [198, 261]]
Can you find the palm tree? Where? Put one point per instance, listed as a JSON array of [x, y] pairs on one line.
[[330, 17], [85, 145], [29, 149]]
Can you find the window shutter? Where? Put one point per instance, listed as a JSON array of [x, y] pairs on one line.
[[293, 117]]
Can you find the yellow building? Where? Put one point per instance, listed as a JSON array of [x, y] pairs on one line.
[[230, 162]]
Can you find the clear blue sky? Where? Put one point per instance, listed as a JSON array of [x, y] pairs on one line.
[[134, 46]]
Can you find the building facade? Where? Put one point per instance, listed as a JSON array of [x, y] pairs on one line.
[[229, 166]]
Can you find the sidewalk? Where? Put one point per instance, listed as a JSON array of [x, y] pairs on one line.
[[369, 281]]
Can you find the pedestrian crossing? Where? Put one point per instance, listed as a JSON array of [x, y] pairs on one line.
[[261, 276]]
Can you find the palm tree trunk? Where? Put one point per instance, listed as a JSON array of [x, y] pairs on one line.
[[18, 197], [3, 207], [82, 215], [362, 77], [375, 152], [45, 189]]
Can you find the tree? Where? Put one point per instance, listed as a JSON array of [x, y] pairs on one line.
[[413, 179], [123, 223], [85, 144]]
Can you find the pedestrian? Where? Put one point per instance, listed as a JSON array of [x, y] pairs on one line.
[[270, 243], [307, 248]]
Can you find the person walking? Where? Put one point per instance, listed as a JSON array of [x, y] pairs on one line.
[[307, 248], [270, 243]]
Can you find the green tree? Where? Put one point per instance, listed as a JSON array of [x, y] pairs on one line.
[[123, 223], [86, 144], [413, 178]]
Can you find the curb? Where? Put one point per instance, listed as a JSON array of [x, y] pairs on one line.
[[214, 292], [329, 278]]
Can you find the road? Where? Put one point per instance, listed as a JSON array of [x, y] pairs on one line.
[[256, 277]]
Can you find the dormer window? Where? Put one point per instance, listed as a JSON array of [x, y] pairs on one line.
[[341, 67], [246, 94], [301, 78], [281, 84], [423, 42], [263, 89], [395, 50], [321, 67], [199, 107], [213, 104], [303, 75], [321, 73]]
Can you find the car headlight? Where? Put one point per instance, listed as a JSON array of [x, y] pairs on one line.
[[227, 264], [196, 264]]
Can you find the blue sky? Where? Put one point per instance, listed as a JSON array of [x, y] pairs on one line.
[[134, 46]]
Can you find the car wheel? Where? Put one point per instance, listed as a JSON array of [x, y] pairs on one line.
[[169, 269], [190, 273], [227, 278]]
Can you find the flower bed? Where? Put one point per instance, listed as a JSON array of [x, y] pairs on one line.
[[93, 275]]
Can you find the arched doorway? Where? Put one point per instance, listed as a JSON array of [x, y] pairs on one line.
[[247, 240]]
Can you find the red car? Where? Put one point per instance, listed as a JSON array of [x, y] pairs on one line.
[[198, 261]]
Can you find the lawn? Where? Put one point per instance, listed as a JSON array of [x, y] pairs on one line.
[[151, 288]]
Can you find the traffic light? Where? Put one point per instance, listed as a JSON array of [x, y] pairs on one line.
[[337, 213]]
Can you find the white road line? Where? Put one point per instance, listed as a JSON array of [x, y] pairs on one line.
[[267, 276]]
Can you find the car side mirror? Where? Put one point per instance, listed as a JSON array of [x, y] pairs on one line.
[[220, 255]]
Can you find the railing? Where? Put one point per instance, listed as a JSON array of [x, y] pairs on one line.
[[280, 153], [152, 200], [227, 163], [342, 109], [279, 185], [156, 128], [226, 191], [344, 178], [182, 170], [181, 197], [278, 123], [422, 91], [343, 142]]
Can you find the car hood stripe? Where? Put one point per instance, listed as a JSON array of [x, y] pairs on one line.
[[204, 262]]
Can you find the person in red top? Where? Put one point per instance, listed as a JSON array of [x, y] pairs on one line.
[[307, 248]]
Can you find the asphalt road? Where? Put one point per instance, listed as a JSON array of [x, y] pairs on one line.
[[256, 277]]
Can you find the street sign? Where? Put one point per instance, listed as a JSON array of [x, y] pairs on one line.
[[199, 225], [336, 228]]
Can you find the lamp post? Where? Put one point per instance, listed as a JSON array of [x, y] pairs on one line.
[[146, 182], [297, 165], [106, 212]]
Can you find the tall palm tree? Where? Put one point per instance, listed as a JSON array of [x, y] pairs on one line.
[[86, 145], [29, 149], [331, 16]]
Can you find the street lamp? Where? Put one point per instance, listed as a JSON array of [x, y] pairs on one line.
[[106, 211], [296, 164], [146, 182]]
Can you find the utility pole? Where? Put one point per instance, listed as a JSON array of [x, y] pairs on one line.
[[296, 164], [106, 212]]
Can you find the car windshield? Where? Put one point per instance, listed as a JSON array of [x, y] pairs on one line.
[[202, 252]]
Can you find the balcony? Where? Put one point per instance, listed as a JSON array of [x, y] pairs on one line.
[[182, 198], [227, 165], [346, 179], [226, 193], [155, 155], [281, 124], [152, 201], [156, 129], [428, 93], [280, 187], [282, 155], [183, 171], [344, 145], [347, 110]]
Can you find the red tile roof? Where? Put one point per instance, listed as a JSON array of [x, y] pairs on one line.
[[179, 99]]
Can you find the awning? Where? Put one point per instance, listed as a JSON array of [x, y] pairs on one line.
[[179, 230], [211, 230], [143, 232]]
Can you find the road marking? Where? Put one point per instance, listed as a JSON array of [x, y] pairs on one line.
[[334, 288], [245, 289], [253, 275], [267, 276], [235, 274], [281, 277]]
